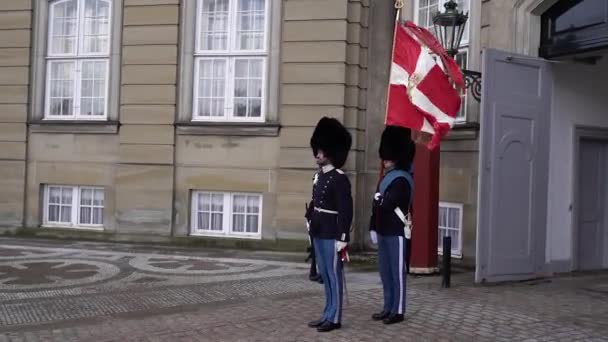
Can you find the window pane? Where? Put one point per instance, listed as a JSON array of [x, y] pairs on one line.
[[217, 222], [204, 202], [252, 223], [213, 33], [86, 196], [449, 222], [253, 204], [65, 214], [85, 215], [63, 27], [464, 6], [96, 26], [66, 196], [54, 195], [239, 204], [240, 107], [97, 216], [250, 25], [99, 197], [240, 88], [422, 17], [61, 87], [255, 108], [238, 224], [54, 213], [218, 203], [93, 94], [211, 91], [203, 221], [248, 82]]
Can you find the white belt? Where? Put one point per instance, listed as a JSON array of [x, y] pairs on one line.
[[407, 224], [333, 212]]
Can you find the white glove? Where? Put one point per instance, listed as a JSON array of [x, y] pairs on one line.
[[340, 245], [377, 196], [373, 236], [307, 225]]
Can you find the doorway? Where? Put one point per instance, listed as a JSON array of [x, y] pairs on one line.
[[591, 231]]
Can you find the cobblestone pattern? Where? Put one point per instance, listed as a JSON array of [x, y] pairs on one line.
[[458, 314], [277, 308]]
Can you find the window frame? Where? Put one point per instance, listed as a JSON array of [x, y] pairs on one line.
[[230, 56], [464, 107], [78, 58], [39, 80], [417, 11], [77, 90], [75, 206], [227, 215], [268, 123], [456, 252]]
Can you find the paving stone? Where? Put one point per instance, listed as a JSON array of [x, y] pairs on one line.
[[102, 292]]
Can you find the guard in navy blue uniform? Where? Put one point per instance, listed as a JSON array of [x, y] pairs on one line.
[[330, 215], [389, 222]]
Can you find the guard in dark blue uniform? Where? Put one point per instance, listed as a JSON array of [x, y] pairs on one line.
[[330, 215], [390, 225]]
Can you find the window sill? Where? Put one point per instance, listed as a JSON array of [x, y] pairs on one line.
[[227, 236], [53, 226], [229, 129], [464, 131], [73, 126]]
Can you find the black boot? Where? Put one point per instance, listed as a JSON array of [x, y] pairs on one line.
[[316, 278], [328, 326], [317, 323], [380, 315], [393, 318]]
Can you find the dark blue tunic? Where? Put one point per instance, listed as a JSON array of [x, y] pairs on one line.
[[330, 212]]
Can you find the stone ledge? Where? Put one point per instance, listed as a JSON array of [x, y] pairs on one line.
[[464, 131], [229, 129], [75, 127]]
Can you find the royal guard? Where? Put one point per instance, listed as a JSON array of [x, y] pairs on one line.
[[390, 226], [329, 215]]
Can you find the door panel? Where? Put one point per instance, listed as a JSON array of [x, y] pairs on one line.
[[514, 159], [591, 185]]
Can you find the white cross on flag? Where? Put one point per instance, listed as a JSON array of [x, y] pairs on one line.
[[424, 93]]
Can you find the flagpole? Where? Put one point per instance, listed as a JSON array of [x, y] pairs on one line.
[[398, 6]]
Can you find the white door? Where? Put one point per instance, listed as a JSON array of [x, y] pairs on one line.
[[514, 159]]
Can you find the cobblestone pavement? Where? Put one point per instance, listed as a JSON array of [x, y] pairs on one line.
[[76, 291]]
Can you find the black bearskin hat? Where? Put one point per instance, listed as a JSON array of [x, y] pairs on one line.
[[333, 139], [396, 145]]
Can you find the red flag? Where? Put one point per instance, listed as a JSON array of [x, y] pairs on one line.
[[424, 93]]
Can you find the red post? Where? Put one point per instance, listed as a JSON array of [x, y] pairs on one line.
[[425, 211]]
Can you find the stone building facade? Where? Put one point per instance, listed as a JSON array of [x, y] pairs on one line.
[[151, 119]]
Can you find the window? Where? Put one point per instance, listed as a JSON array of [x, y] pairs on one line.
[[450, 224], [227, 214], [462, 60], [425, 9], [78, 56], [230, 60], [73, 206]]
